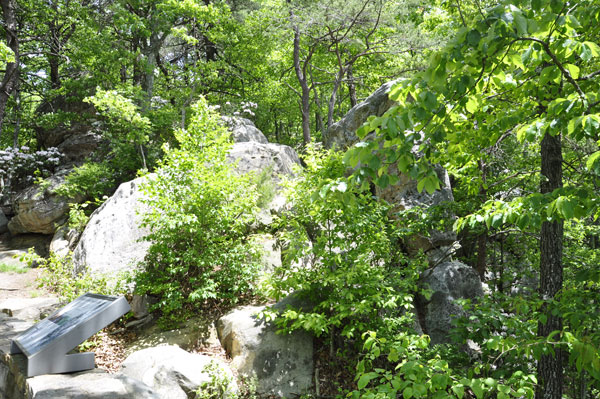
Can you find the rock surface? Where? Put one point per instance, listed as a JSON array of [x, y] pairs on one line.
[[404, 195], [243, 129], [193, 332], [29, 309], [448, 281], [281, 364], [64, 240], [11, 247], [257, 157], [38, 209], [79, 146], [94, 384], [176, 374], [342, 134], [111, 242]]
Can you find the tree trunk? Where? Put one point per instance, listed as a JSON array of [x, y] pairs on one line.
[[351, 87], [305, 90], [550, 369], [17, 130], [332, 99], [11, 75], [482, 239]]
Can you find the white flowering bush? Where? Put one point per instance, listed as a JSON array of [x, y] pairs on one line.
[[20, 167], [244, 109]]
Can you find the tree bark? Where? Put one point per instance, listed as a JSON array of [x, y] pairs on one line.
[[305, 93], [351, 87], [333, 97], [550, 369], [11, 76]]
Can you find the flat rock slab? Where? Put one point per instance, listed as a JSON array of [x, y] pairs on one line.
[[29, 309], [94, 384]]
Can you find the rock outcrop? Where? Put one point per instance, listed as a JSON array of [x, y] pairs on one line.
[[256, 157], [404, 195], [448, 281], [77, 140], [342, 134], [111, 241], [38, 209], [176, 374], [281, 363], [243, 130]]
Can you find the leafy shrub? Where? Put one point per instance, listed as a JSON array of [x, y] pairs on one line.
[[355, 277], [92, 180], [59, 276], [265, 186], [200, 210], [219, 386]]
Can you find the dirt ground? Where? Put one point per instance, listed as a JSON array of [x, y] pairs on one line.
[[20, 285]]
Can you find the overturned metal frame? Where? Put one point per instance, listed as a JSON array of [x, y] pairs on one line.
[[47, 343]]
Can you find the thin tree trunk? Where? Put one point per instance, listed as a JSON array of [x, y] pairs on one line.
[[482, 239], [550, 368], [11, 75], [17, 116], [351, 87], [332, 99], [301, 75]]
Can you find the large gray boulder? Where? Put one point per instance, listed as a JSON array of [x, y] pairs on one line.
[[281, 363], [342, 134], [448, 281], [176, 374], [38, 209], [111, 241], [252, 156], [243, 129], [404, 195]]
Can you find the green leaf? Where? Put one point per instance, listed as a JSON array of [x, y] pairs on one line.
[[430, 101], [362, 131], [591, 162], [593, 48], [473, 37], [477, 388], [520, 23], [365, 379], [473, 104], [407, 393], [420, 185], [459, 391], [573, 70]]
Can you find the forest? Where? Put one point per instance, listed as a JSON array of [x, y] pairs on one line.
[[504, 96]]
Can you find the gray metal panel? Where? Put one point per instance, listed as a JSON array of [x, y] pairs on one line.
[[48, 353]]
